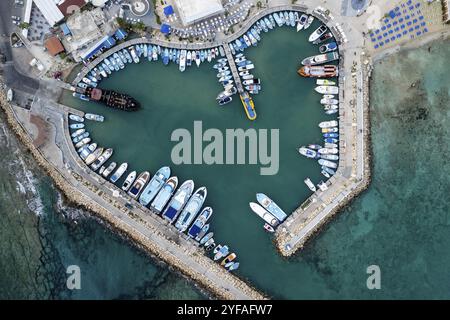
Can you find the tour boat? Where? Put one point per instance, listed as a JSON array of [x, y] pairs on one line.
[[155, 184], [139, 184], [177, 202], [164, 194], [129, 181]]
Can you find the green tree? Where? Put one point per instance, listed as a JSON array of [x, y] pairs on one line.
[[24, 25]]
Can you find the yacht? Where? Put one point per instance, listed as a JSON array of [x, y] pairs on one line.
[[309, 22], [320, 59], [317, 33], [164, 194], [271, 206], [178, 201], [102, 159], [155, 184], [139, 184], [119, 172], [109, 169], [201, 220], [310, 185], [301, 22], [129, 181], [264, 214], [182, 60], [191, 209], [307, 152], [327, 89]]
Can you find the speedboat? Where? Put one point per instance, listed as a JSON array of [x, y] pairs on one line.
[[189, 58], [327, 163], [309, 22], [119, 172], [328, 124], [264, 214], [271, 206], [307, 152], [328, 151], [331, 135], [332, 111], [109, 169], [93, 156], [330, 130], [223, 74], [202, 232], [329, 170], [83, 142], [291, 19], [314, 146], [206, 238], [191, 209], [268, 228], [332, 46], [197, 59], [201, 220], [331, 140], [129, 181], [247, 40], [81, 136], [228, 259], [233, 266], [301, 22], [323, 38], [325, 174], [327, 89], [177, 202], [166, 57], [102, 159], [139, 184], [164, 194], [310, 185], [182, 66], [331, 145], [317, 33], [76, 118], [155, 184], [325, 82], [329, 101]]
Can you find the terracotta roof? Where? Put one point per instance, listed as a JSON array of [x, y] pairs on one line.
[[70, 6], [54, 46]]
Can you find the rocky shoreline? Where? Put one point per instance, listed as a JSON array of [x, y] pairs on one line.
[[74, 196]]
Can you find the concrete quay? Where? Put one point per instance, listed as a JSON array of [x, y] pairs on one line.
[[44, 130]]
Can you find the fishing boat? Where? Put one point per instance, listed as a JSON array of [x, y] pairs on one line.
[[333, 157], [310, 185], [327, 90], [307, 152], [264, 214], [139, 184], [330, 130], [317, 33], [76, 118], [201, 220], [327, 71], [328, 101], [309, 22], [102, 159], [129, 181], [76, 126], [301, 22], [182, 65], [323, 38], [220, 252], [329, 170], [191, 209], [83, 142], [119, 172], [206, 238], [331, 135], [178, 201], [155, 184], [249, 106], [328, 124], [94, 117], [93, 156], [202, 232], [332, 46], [271, 206], [327, 163], [331, 140], [328, 151], [320, 59], [234, 266], [109, 169], [314, 146], [229, 258], [268, 228], [164, 194]]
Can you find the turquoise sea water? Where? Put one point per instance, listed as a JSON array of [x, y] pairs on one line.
[[401, 223]]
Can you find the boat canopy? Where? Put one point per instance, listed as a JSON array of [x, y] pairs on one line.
[[165, 28], [168, 10]]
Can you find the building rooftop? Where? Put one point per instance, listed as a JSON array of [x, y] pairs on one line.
[[192, 11], [68, 7], [54, 46], [49, 10]]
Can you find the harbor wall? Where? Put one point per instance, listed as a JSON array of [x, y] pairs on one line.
[[74, 195]]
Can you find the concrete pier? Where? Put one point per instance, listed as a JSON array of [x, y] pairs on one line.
[[233, 68]]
